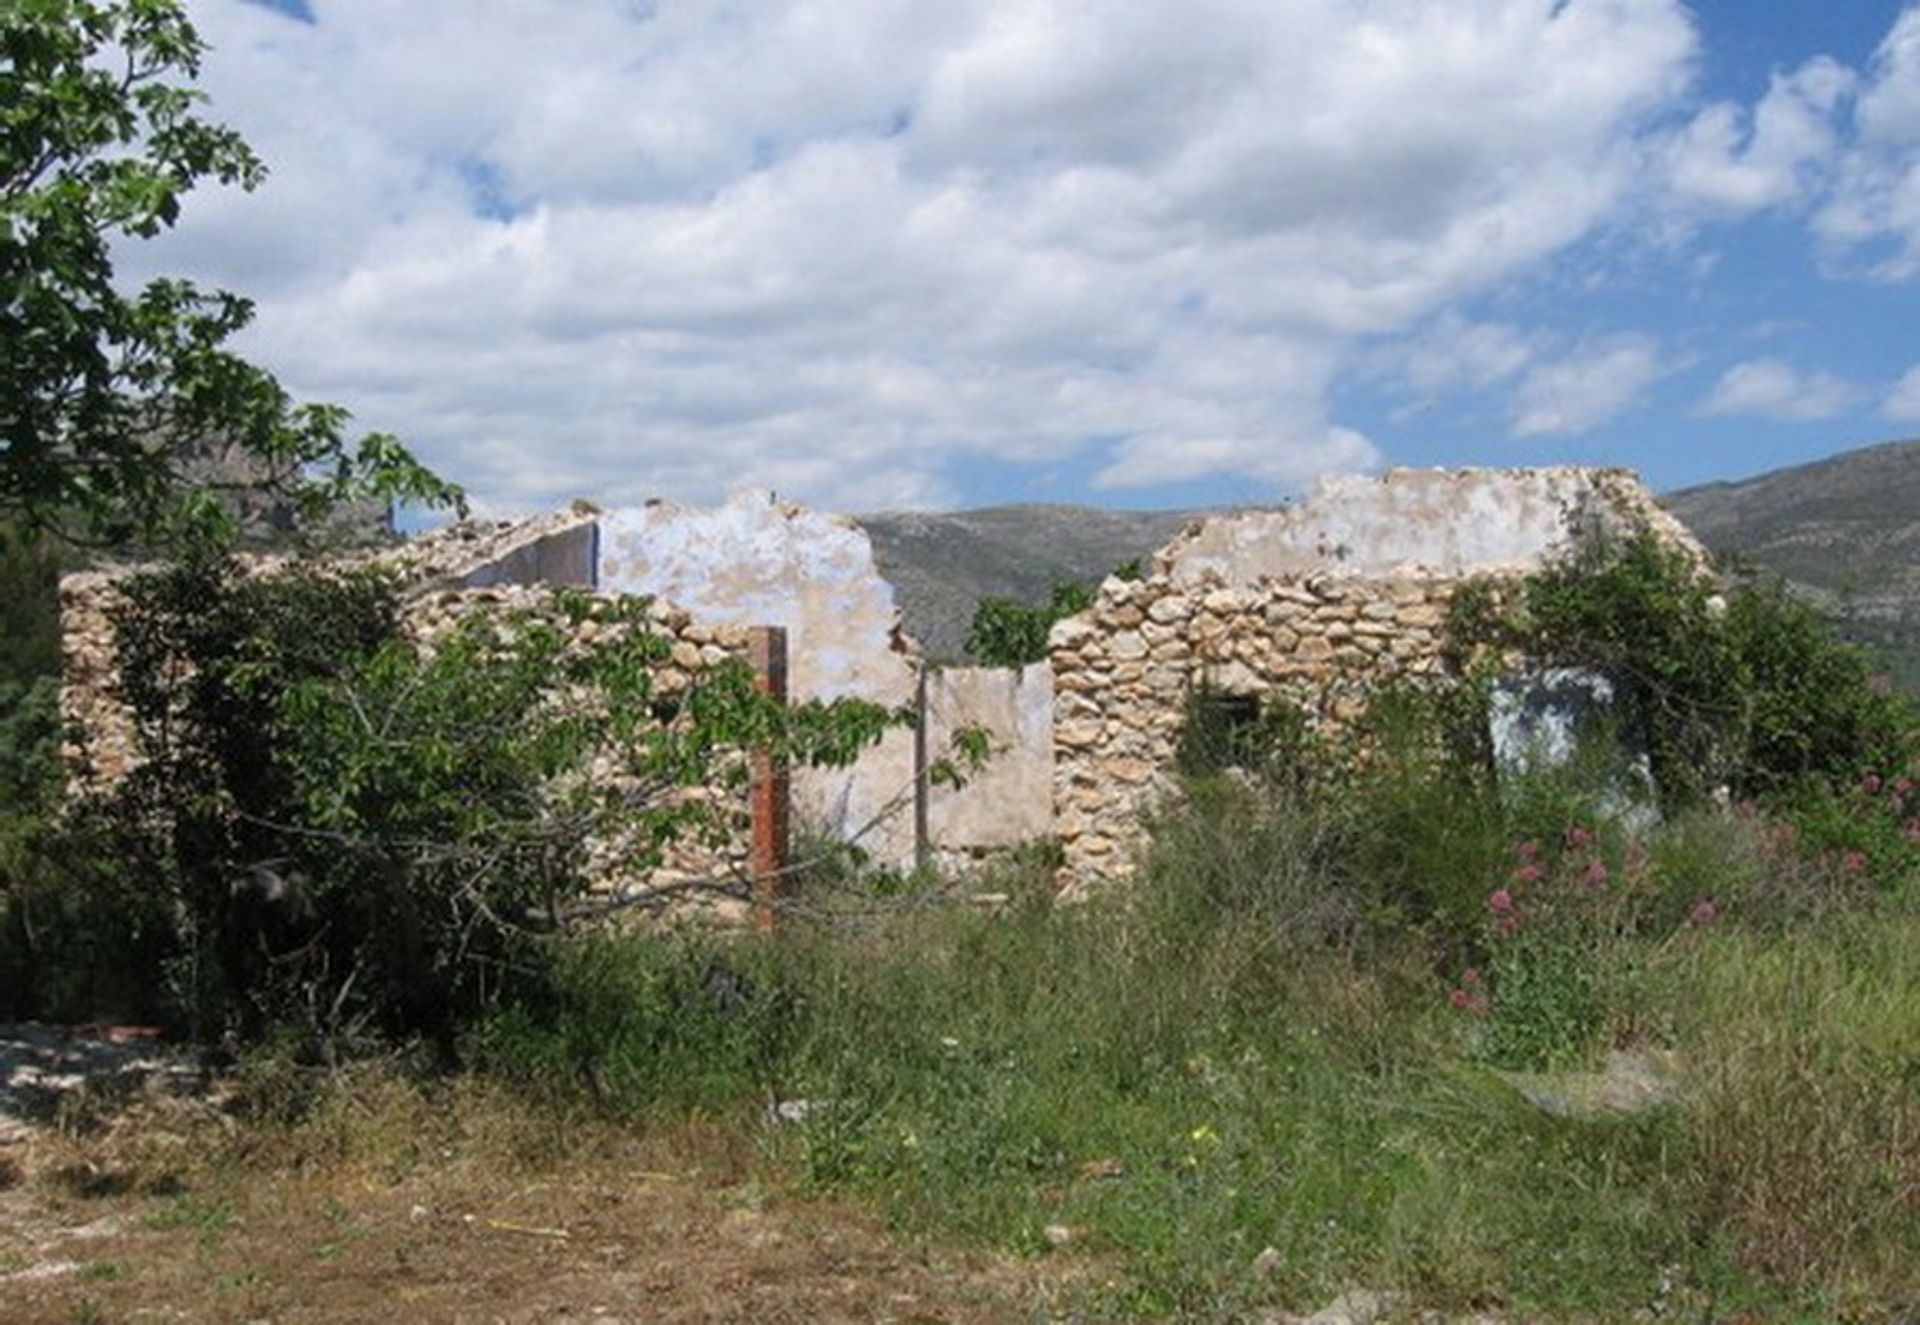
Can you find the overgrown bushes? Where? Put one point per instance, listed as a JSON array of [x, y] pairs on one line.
[[1005, 633], [1743, 687], [353, 834]]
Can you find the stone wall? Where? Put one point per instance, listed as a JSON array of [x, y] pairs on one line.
[[97, 748], [1443, 521], [559, 548], [1318, 604], [705, 874], [1125, 670], [100, 748]]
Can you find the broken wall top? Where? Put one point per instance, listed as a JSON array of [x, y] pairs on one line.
[[556, 548], [761, 560], [1422, 522]]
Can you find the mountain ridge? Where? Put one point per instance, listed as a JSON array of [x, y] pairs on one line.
[[1843, 529]]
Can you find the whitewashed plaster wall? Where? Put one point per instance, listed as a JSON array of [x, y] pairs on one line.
[[759, 561], [1008, 801], [1453, 522]]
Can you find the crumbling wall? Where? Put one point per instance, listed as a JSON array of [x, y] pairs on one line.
[[705, 873], [559, 548], [1125, 670], [1319, 604], [100, 746], [97, 745], [1452, 522], [1008, 802], [760, 561]]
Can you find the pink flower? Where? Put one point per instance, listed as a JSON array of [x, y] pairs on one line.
[[1471, 976], [1854, 862], [1529, 873], [1880, 683], [1500, 901], [1911, 830], [1704, 913], [1468, 1001], [1870, 784], [1596, 875], [1578, 837], [1526, 850], [1509, 922], [1745, 809]]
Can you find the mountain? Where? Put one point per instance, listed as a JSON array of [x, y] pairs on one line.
[[941, 565], [1846, 530]]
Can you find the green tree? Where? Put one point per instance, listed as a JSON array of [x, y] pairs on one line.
[[1005, 633], [106, 394], [1730, 682]]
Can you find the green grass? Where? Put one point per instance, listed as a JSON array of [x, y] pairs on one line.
[[1239, 1054]]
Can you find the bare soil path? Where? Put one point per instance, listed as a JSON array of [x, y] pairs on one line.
[[154, 1211]]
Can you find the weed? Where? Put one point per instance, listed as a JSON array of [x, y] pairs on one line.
[[209, 1219]]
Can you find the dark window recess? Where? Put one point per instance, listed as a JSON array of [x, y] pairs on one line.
[[1222, 732]]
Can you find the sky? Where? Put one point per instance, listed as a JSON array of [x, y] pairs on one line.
[[881, 254]]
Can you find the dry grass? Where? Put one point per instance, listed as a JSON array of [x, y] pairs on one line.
[[449, 1202]]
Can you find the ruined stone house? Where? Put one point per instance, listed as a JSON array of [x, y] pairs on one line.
[[1318, 602]]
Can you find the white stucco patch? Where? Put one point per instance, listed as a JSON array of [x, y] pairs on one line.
[[759, 561], [1439, 521]]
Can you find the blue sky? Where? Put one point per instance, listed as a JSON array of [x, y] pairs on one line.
[[883, 253]]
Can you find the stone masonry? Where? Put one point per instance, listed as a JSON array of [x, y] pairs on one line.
[[1318, 604], [1124, 672]]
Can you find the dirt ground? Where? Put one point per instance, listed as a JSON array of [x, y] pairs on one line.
[[124, 1217], [607, 1247]]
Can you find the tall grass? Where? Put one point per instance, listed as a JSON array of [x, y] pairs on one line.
[[1254, 1048]]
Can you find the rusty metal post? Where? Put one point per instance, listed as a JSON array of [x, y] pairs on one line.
[[767, 651], [922, 790]]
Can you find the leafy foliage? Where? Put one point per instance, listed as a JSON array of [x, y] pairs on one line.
[[29, 671], [1004, 633], [1747, 687], [362, 834], [105, 393]]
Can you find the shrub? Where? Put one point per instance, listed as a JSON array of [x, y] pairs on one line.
[[1748, 689], [361, 835], [1005, 633]]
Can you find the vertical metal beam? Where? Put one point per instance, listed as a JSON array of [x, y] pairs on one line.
[[922, 790], [767, 651]]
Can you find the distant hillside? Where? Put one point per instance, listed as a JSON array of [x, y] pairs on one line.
[[941, 565], [1846, 529]]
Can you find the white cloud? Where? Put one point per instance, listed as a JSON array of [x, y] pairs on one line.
[[1586, 387], [1777, 390], [1455, 352], [1731, 160], [1875, 202], [620, 248], [1903, 402]]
